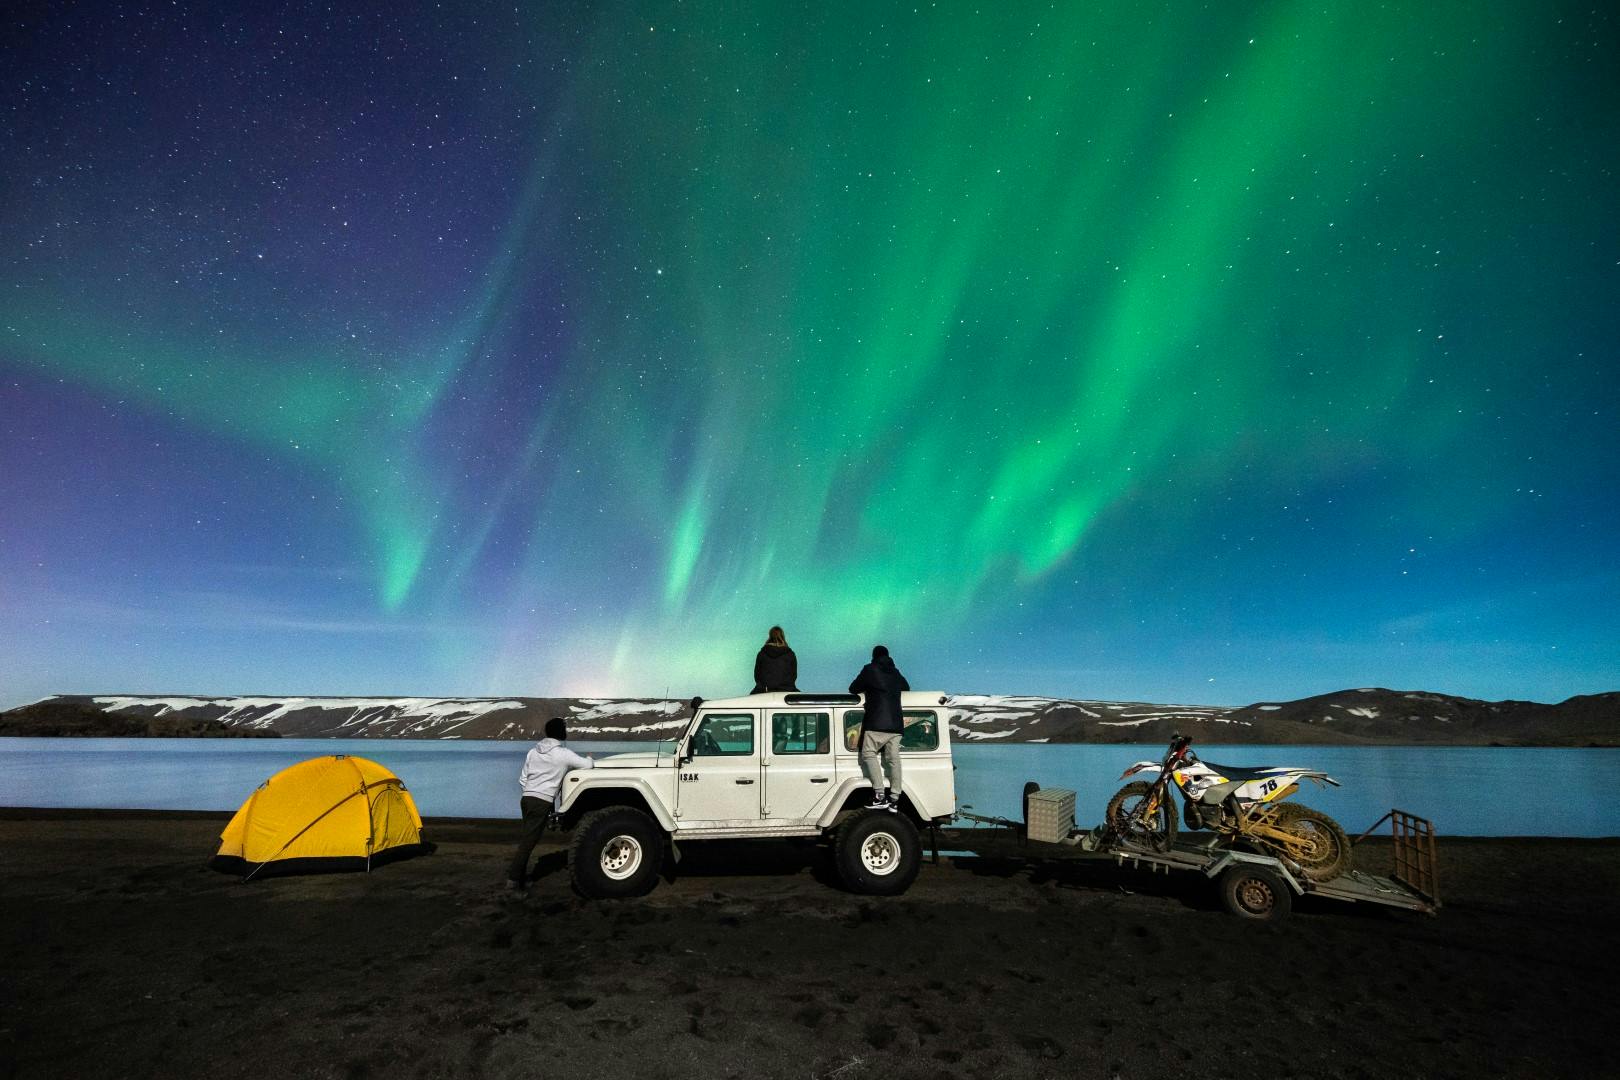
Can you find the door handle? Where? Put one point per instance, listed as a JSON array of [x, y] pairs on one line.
[[818, 779], [745, 781]]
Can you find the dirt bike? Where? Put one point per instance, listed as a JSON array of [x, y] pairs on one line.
[[1243, 807]]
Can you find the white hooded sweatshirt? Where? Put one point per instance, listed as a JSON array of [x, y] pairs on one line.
[[543, 769]]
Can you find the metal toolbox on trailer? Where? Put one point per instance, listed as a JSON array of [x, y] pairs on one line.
[[1051, 815]]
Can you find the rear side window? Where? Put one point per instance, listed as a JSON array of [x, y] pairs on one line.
[[921, 731], [800, 732], [724, 735]]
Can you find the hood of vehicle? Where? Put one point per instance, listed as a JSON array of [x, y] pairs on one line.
[[634, 761]]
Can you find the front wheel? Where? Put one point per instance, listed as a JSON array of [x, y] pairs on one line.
[[1317, 842], [878, 853], [1132, 817], [616, 853]]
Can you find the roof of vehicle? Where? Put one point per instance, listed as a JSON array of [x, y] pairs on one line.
[[912, 699]]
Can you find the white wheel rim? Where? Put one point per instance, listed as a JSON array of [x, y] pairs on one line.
[[621, 857], [880, 854]]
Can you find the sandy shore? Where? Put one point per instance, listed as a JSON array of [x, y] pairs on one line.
[[125, 956]]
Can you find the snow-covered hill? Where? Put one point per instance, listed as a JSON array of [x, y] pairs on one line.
[[987, 717], [411, 718], [1368, 715]]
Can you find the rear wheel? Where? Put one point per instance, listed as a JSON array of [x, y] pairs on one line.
[[878, 854], [1254, 893], [616, 853], [1320, 845], [1131, 819]]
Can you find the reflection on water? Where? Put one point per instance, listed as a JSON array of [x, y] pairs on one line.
[[1468, 791]]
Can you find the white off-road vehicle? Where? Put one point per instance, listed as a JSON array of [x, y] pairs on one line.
[[766, 766]]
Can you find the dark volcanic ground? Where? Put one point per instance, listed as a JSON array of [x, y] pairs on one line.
[[124, 956]]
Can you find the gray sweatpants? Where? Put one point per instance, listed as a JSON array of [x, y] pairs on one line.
[[885, 745]]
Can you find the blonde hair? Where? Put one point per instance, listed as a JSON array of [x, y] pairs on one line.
[[776, 637]]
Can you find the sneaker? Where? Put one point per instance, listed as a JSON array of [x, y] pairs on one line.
[[892, 803], [879, 801]]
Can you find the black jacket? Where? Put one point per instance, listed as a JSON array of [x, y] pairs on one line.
[[881, 682], [775, 668]]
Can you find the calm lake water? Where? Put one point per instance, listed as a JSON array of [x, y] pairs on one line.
[[1465, 791]]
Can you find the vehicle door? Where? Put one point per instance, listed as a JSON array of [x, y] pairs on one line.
[[720, 782], [798, 764]]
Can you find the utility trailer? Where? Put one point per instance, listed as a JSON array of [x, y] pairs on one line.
[[1250, 885]]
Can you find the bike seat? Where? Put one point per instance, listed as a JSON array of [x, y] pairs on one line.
[[1232, 772]]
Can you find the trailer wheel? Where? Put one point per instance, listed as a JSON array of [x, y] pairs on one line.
[[1254, 893], [1030, 788], [878, 854]]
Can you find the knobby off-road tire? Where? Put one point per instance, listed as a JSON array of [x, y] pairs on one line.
[[1254, 893], [1330, 854], [616, 853], [1159, 833], [877, 853]]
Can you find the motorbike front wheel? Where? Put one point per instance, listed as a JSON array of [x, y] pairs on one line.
[[1125, 815], [1322, 849]]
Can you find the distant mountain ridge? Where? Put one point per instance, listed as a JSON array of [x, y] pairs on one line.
[[1364, 716]]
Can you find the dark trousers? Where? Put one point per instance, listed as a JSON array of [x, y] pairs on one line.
[[536, 814]]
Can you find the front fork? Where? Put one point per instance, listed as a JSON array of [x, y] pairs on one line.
[[1150, 806], [1143, 815]]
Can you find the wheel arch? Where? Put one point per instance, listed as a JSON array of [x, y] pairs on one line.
[[853, 793], [854, 796], [598, 796]]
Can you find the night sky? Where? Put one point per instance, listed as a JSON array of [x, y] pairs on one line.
[[1136, 351]]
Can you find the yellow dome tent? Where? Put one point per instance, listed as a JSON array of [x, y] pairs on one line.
[[327, 813]]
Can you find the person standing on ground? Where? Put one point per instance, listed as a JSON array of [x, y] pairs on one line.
[[776, 668], [881, 683], [543, 770]]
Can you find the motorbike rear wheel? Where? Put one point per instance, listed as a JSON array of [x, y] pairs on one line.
[[1157, 830], [1326, 852]]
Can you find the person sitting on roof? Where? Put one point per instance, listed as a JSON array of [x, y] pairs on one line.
[[775, 668]]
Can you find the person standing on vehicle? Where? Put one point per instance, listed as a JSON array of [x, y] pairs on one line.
[[543, 770], [776, 668], [881, 683]]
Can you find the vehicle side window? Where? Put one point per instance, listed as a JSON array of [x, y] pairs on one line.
[[799, 733], [921, 731], [724, 735]]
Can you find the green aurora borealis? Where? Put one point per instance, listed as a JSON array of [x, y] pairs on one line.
[[1112, 350]]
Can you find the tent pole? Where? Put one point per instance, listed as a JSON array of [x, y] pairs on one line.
[[371, 828]]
